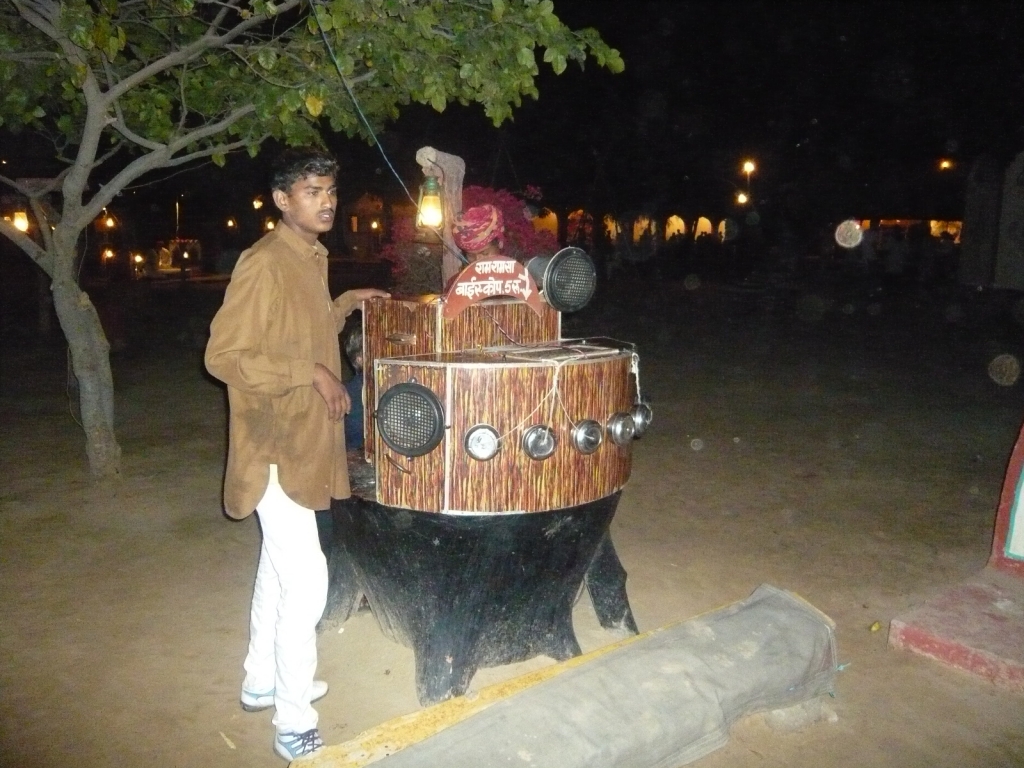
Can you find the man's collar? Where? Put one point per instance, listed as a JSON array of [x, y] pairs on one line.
[[296, 243]]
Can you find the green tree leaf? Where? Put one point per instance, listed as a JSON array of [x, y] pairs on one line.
[[314, 105], [175, 82]]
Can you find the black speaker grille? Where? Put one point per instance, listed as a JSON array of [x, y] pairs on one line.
[[571, 281], [410, 419]]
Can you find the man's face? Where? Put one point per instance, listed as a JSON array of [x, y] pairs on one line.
[[308, 206]]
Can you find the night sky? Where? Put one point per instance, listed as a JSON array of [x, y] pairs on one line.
[[845, 107]]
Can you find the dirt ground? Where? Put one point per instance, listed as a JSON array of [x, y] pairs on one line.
[[849, 450]]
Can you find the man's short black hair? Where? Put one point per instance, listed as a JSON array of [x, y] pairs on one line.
[[296, 163]]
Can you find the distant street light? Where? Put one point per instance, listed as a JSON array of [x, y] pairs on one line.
[[945, 164], [257, 203], [231, 223], [749, 168], [270, 224], [741, 198]]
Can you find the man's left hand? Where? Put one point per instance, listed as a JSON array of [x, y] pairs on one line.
[[362, 294]]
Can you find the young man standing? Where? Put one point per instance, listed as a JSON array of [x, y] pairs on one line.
[[274, 342]]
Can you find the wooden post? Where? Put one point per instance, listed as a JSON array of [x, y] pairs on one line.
[[450, 170]]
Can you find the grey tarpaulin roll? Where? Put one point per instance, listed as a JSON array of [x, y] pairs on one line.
[[660, 702]]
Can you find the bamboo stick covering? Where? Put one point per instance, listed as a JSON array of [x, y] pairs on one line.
[[497, 323], [392, 328], [395, 328], [510, 395], [418, 482], [504, 397]]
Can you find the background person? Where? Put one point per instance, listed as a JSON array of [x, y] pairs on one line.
[[354, 436], [480, 232]]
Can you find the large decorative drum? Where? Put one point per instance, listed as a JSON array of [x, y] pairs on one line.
[[504, 429], [497, 452]]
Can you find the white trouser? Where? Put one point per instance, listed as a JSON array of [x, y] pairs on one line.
[[287, 602]]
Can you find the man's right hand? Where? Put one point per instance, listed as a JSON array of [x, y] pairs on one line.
[[330, 388]]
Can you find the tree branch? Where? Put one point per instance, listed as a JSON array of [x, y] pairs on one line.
[[181, 95], [222, 13], [47, 21], [207, 42], [35, 187], [39, 210], [25, 243], [163, 156], [210, 130], [106, 156], [28, 57], [211, 151], [238, 51], [121, 127], [120, 124]]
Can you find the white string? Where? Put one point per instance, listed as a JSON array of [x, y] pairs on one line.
[[634, 368], [554, 394]]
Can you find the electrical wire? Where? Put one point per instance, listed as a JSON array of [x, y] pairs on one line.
[[355, 102]]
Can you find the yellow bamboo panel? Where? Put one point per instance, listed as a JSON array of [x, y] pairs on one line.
[[511, 395], [498, 323], [404, 328], [418, 482], [512, 399], [392, 328]]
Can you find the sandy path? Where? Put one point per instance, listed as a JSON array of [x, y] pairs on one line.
[[856, 460]]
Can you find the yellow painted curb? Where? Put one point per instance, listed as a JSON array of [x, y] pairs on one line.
[[402, 732]]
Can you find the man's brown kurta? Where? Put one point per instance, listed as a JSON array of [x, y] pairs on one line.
[[276, 323]]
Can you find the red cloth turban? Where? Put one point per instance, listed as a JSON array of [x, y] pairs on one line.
[[474, 229]]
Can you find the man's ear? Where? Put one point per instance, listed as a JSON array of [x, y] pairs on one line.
[[280, 199]]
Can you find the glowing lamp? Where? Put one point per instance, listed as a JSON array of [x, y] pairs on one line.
[[742, 198], [20, 221], [257, 203], [431, 212], [749, 167]]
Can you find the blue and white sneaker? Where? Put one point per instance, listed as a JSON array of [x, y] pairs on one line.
[[293, 745], [255, 702]]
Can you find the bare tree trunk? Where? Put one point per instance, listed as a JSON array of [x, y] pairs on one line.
[[44, 305], [90, 359]]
